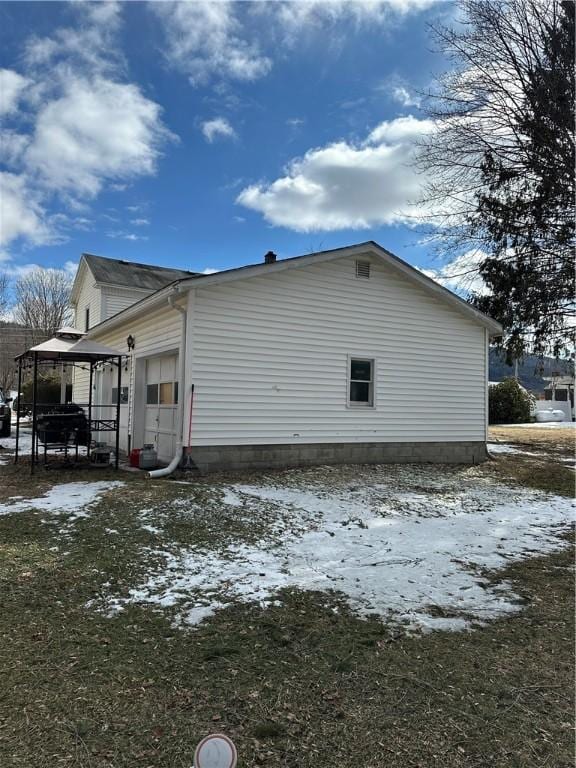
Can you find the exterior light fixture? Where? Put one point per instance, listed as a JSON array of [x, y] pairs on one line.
[[131, 342]]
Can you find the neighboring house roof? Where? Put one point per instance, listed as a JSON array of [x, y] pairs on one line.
[[118, 272], [132, 274], [369, 248], [561, 380]]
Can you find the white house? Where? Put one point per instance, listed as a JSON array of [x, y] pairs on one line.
[[559, 395], [344, 355], [103, 287]]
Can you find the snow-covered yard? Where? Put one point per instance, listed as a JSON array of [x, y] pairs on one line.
[[412, 545], [416, 545], [284, 609]]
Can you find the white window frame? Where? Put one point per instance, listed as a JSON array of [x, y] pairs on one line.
[[364, 359]]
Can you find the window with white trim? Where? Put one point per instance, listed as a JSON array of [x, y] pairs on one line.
[[361, 382]]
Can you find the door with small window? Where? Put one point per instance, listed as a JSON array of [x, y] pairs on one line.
[[161, 398]]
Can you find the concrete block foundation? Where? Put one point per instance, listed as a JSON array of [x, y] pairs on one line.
[[217, 458]]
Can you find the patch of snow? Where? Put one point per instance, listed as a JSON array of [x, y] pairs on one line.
[[392, 552], [72, 499], [539, 425], [151, 528], [231, 499], [505, 448], [24, 443], [24, 446]]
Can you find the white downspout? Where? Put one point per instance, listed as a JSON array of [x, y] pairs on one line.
[[165, 471]]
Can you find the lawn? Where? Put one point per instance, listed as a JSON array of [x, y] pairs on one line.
[[353, 617]]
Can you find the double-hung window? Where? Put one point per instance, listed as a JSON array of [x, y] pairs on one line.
[[361, 382]]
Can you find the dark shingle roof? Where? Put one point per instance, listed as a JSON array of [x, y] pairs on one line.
[[131, 274]]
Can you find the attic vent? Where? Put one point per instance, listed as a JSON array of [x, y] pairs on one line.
[[363, 269]]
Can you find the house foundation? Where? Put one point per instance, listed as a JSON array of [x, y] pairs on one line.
[[215, 458]]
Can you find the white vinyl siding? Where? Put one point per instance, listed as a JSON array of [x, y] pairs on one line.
[[89, 297], [271, 356], [156, 333], [114, 300], [103, 303]]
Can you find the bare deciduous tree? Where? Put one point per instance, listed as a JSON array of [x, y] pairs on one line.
[[501, 162], [43, 301], [4, 298]]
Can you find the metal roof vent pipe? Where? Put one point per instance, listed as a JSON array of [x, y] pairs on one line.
[[270, 257]]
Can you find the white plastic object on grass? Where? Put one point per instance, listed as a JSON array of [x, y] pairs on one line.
[[215, 751], [550, 415]]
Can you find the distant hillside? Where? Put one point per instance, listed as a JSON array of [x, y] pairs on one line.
[[530, 370]]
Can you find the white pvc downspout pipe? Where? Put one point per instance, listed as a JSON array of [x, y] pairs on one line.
[[175, 463]]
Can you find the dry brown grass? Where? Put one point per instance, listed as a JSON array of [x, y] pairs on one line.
[[296, 686], [558, 439]]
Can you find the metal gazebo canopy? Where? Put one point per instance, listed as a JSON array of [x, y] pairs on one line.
[[69, 346]]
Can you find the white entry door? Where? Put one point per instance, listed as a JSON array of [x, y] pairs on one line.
[[161, 406]]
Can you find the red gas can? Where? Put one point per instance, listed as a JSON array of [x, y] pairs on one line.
[[135, 457]]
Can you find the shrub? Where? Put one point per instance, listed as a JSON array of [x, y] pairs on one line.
[[509, 403], [48, 390]]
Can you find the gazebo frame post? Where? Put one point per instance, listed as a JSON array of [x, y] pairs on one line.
[[19, 401], [89, 436], [65, 348], [119, 384], [34, 412]]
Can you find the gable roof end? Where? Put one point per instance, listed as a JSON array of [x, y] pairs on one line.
[[132, 274], [255, 270]]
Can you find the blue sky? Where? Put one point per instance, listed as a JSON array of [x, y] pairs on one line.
[[201, 135]]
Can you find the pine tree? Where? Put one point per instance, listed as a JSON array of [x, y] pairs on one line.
[[526, 208]]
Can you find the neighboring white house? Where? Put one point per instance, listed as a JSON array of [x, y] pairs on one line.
[[103, 287], [559, 395], [343, 355]]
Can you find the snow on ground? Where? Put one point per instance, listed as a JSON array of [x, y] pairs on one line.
[[410, 554], [25, 446], [71, 499], [505, 448], [24, 442], [539, 425]]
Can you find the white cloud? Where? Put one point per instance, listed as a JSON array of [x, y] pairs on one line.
[[209, 271], [12, 146], [11, 87], [119, 235], [347, 185], [89, 43], [89, 130], [71, 267], [404, 97], [218, 127], [461, 274], [296, 17], [139, 222], [227, 40], [20, 214], [73, 148], [206, 39]]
